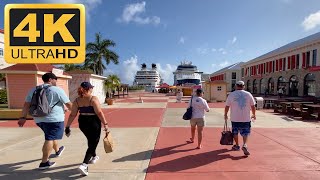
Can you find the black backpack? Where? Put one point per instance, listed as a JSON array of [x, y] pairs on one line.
[[39, 105]]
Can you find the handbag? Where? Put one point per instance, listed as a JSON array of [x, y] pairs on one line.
[[226, 135], [188, 114], [108, 143]]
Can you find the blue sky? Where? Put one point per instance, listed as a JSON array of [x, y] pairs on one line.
[[210, 33]]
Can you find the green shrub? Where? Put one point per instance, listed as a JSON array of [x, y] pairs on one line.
[[136, 88], [3, 96]]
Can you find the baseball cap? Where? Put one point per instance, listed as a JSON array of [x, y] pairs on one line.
[[240, 83], [86, 85], [48, 76]]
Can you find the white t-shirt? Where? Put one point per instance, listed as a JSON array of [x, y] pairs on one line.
[[240, 102], [199, 105]]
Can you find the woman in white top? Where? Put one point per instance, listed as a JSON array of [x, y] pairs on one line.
[[199, 106]]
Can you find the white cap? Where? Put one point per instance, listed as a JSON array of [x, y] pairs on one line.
[[240, 83]]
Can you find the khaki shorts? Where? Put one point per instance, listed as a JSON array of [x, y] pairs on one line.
[[197, 121]]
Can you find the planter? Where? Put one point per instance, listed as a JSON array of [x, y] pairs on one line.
[[109, 101]]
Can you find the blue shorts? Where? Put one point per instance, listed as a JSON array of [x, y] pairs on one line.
[[243, 127], [52, 131]]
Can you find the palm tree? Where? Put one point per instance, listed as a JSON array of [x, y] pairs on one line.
[[97, 52], [111, 83], [70, 67]]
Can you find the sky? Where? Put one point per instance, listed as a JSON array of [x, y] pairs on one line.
[[211, 34]]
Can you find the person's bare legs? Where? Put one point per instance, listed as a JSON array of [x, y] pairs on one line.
[[55, 145], [200, 129], [46, 150], [245, 140], [235, 137], [193, 132]]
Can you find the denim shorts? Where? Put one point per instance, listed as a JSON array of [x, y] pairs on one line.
[[243, 127], [53, 130]]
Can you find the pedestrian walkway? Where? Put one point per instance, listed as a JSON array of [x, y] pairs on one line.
[[151, 143]]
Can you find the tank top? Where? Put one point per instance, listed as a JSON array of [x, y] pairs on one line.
[[86, 109]]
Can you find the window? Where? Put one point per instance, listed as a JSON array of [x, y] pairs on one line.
[[233, 84], [297, 61], [242, 72], [234, 75], [284, 64], [1, 52], [219, 88], [314, 58], [308, 59]]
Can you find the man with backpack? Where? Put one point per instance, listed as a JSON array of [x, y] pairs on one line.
[[46, 104]]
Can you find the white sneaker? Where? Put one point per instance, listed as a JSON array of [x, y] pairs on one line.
[[93, 160], [83, 169]]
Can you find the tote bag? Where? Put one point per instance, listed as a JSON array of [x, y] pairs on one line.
[[188, 114], [226, 135]]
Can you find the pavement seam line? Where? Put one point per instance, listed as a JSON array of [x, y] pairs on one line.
[[154, 146], [20, 143], [288, 147]]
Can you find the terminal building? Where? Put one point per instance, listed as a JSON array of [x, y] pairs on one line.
[[230, 75], [294, 67]]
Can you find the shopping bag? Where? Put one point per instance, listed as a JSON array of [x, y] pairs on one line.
[[108, 143], [226, 135]]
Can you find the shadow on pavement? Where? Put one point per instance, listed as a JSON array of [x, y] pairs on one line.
[[11, 171], [192, 161], [155, 153]]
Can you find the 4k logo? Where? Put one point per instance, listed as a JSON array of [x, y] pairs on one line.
[[44, 33]]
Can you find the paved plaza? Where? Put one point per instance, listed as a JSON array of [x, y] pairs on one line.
[[151, 143]]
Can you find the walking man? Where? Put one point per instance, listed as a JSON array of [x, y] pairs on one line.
[[240, 102], [49, 117]]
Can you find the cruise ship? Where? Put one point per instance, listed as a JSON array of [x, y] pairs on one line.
[[149, 78], [187, 75]]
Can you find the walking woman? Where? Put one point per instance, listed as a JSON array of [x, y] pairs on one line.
[[90, 119], [199, 106]]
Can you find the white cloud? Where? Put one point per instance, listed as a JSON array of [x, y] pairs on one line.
[[213, 50], [181, 40], [234, 40], [312, 21], [202, 51], [132, 13], [167, 72], [223, 64], [129, 69], [240, 51], [223, 51], [90, 5]]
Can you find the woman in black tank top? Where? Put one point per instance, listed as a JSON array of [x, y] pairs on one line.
[[90, 119]]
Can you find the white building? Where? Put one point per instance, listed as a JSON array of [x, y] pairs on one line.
[[187, 75], [149, 78], [294, 67], [230, 74]]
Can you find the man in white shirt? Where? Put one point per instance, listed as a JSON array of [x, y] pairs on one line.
[[199, 106], [240, 102]]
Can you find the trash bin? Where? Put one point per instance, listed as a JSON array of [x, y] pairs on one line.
[[259, 102]]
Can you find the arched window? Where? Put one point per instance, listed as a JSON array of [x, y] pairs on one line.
[[254, 89], [309, 85], [248, 86], [262, 86], [293, 86], [282, 83], [271, 86]]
